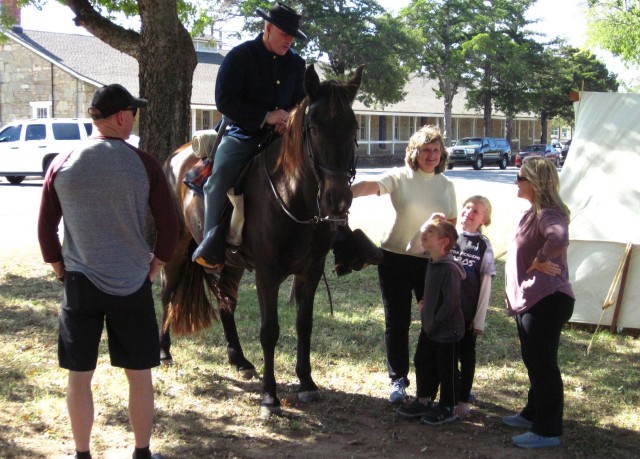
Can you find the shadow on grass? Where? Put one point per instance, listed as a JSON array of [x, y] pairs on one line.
[[28, 303], [345, 424]]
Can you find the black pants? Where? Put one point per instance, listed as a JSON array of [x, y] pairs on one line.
[[435, 366], [401, 277], [466, 368], [539, 330]]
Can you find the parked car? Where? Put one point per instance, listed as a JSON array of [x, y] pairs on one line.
[[540, 150], [564, 152], [27, 147], [479, 151]]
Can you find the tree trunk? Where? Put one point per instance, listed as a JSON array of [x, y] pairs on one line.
[[166, 66], [449, 91], [448, 104], [544, 121], [508, 128], [488, 127], [166, 63]]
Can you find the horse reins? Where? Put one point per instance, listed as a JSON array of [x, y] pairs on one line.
[[317, 170]]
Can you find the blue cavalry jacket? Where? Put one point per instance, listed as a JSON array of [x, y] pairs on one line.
[[252, 81]]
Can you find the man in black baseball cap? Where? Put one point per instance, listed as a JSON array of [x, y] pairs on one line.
[[103, 191], [111, 99]]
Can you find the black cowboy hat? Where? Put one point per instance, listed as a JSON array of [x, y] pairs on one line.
[[285, 19]]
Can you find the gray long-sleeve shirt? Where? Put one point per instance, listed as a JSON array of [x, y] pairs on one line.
[[102, 191]]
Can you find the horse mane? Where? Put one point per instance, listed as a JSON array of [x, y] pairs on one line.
[[291, 157]]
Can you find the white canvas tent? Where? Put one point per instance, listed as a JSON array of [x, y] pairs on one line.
[[600, 182]]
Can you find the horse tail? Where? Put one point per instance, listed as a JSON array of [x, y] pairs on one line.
[[189, 307]]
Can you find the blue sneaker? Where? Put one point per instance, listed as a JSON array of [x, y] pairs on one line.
[[399, 392], [517, 421], [533, 440]]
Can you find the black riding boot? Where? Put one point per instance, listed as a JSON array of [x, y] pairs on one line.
[[353, 250], [210, 252]]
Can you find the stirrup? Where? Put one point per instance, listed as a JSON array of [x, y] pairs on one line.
[[205, 264]]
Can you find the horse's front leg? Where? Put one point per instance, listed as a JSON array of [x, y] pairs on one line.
[[305, 293], [269, 334]]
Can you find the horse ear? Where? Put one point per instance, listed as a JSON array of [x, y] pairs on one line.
[[311, 80], [354, 83]]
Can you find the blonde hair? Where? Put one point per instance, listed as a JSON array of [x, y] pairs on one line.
[[543, 177], [427, 134], [444, 229], [483, 201]]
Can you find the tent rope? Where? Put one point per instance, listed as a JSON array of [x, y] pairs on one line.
[[608, 301]]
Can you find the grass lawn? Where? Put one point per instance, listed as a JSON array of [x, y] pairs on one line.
[[205, 409]]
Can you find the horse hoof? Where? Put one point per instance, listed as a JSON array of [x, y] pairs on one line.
[[165, 358], [308, 396], [267, 411], [248, 373]]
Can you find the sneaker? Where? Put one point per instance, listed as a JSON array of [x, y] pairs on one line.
[[442, 415], [533, 440], [399, 392], [517, 421], [415, 409]]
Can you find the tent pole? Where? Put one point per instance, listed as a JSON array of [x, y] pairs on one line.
[[623, 281]]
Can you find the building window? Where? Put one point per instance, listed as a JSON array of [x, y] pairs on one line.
[[41, 109], [206, 119], [362, 127], [396, 129]]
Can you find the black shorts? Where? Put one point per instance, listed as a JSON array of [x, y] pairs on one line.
[[132, 328]]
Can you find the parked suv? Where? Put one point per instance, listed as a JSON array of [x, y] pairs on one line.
[[479, 151], [27, 147]]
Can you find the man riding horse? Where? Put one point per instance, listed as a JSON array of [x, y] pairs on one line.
[[258, 84]]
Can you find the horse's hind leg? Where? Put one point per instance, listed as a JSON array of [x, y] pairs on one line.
[[228, 284], [234, 349], [171, 276]]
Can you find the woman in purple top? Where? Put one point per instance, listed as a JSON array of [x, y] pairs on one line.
[[540, 297]]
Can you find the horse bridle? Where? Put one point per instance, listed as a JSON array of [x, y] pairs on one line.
[[317, 169]]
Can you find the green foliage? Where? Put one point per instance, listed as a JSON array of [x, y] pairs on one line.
[[499, 54], [614, 25], [443, 28], [344, 34], [563, 69]]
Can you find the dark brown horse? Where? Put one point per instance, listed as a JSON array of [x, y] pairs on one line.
[[295, 193]]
